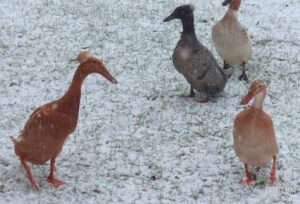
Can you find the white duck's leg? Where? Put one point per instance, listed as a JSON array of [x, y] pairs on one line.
[[226, 65], [243, 76], [55, 182]]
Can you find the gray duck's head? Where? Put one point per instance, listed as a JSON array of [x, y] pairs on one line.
[[183, 12]]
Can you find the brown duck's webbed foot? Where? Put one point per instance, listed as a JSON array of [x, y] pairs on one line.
[[28, 172], [192, 93], [226, 65], [273, 172], [243, 76], [248, 178], [55, 182]]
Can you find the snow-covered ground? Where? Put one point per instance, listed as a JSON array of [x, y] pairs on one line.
[[139, 141]]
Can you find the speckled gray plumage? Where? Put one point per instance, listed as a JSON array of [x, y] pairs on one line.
[[199, 67], [192, 59]]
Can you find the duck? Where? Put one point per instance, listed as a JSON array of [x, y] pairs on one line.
[[254, 138], [47, 128], [193, 60], [231, 39]]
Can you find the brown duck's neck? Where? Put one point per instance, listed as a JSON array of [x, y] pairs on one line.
[[235, 5], [70, 102]]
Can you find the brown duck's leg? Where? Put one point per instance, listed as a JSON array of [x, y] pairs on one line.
[[28, 172], [249, 178], [55, 182], [226, 65], [273, 172], [243, 76]]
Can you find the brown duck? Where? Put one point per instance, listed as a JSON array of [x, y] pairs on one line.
[[47, 128]]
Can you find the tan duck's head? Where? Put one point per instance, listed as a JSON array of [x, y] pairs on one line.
[[233, 4], [182, 12], [91, 64], [257, 90]]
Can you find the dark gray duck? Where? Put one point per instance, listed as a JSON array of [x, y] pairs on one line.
[[193, 60]]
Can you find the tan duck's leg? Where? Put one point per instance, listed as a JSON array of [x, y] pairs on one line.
[[273, 172], [28, 172], [243, 76], [249, 178], [226, 65], [55, 182]]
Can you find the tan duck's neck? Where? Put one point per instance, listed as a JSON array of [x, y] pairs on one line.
[[235, 5], [259, 100]]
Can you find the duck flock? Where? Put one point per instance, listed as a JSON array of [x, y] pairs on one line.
[[46, 132]]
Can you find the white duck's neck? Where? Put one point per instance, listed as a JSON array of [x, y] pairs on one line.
[[259, 100], [232, 12]]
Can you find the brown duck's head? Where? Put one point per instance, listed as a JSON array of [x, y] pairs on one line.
[[257, 86], [181, 12], [94, 65]]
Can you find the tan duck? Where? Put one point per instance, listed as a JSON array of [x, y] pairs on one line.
[[193, 60], [253, 133], [231, 39], [47, 128]]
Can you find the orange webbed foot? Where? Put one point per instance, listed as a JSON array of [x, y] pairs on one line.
[[247, 180], [55, 182]]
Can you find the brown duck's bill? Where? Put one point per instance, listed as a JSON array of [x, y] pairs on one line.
[[108, 76], [247, 98], [226, 2]]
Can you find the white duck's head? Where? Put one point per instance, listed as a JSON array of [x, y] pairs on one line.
[[233, 4]]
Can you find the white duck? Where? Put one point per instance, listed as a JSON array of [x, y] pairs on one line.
[[231, 39]]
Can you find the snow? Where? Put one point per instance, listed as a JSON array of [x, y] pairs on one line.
[[139, 141]]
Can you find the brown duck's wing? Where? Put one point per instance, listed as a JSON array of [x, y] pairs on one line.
[[46, 121]]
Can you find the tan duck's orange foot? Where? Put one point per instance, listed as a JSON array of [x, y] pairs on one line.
[[55, 182], [28, 172], [249, 178]]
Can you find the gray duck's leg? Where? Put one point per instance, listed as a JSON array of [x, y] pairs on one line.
[[192, 93]]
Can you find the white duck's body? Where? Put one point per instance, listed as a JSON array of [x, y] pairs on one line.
[[231, 40]]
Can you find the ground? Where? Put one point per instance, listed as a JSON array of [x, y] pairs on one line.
[[140, 141]]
